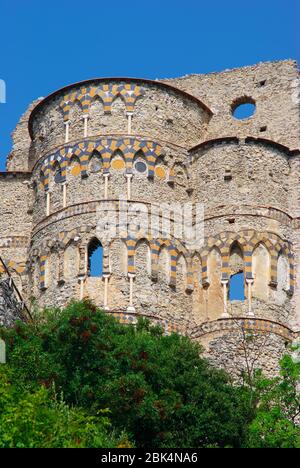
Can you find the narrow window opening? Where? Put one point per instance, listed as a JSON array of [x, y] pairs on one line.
[[236, 287], [263, 129], [95, 258]]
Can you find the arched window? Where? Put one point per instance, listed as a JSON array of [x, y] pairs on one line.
[[74, 166], [95, 258], [261, 272], [95, 164], [213, 297], [117, 162], [57, 173], [236, 287]]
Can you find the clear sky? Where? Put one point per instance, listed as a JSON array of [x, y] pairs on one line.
[[48, 44]]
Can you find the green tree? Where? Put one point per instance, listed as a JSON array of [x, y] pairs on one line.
[[34, 419], [276, 424], [158, 388]]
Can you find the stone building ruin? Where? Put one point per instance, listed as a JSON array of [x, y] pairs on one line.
[[152, 141]]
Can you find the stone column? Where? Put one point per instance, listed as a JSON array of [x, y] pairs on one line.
[[81, 282], [249, 282], [48, 203], [225, 314], [85, 126], [64, 195], [128, 177], [82, 261], [106, 278], [129, 121], [106, 176], [67, 126], [131, 307], [61, 268]]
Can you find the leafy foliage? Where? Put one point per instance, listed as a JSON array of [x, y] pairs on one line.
[[33, 419], [157, 387], [159, 390], [276, 424]]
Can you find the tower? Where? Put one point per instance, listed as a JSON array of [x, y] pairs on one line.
[[124, 149]]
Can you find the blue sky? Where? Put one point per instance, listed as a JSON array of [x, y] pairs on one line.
[[48, 44]]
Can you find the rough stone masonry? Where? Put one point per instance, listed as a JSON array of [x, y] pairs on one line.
[[175, 140]]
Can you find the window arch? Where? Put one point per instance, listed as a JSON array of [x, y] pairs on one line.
[[261, 271], [74, 168], [164, 264], [71, 261], [95, 163], [213, 298], [140, 164], [283, 276], [236, 287], [117, 162], [181, 273], [95, 258], [57, 173], [237, 276]]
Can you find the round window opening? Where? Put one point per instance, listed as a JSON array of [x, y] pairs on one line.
[[141, 167], [243, 110]]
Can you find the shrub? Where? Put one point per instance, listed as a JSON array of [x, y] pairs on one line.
[[158, 388], [34, 419]]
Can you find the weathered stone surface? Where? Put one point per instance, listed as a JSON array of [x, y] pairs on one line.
[[76, 150], [10, 307]]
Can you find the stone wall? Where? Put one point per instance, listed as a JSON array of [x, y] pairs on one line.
[[86, 146], [11, 309], [240, 353], [275, 88]]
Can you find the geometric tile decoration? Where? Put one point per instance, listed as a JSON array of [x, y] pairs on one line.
[[222, 324], [167, 326], [160, 172], [104, 149], [43, 260], [247, 241], [107, 93], [239, 324], [11, 265]]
